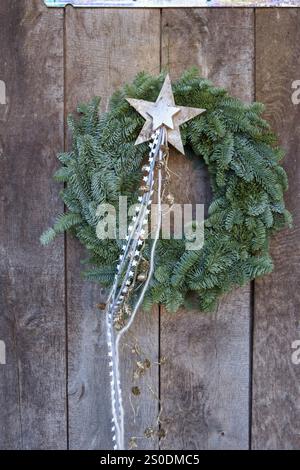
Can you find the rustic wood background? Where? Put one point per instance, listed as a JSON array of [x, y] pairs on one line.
[[227, 380]]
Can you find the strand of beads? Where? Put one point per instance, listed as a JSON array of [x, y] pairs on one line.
[[123, 282]]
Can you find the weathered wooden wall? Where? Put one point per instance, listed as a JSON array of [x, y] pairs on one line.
[[227, 381]]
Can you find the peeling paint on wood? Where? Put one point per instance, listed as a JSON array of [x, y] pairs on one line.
[[172, 3]]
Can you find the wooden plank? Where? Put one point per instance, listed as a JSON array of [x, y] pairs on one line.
[[276, 412], [205, 381], [105, 49], [32, 323], [171, 3]]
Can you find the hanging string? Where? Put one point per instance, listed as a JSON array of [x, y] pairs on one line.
[[124, 278]]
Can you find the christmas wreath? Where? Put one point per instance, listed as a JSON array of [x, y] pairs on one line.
[[247, 181]]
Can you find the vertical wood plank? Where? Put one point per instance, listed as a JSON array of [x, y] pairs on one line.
[[205, 381], [276, 410], [105, 49], [32, 323]]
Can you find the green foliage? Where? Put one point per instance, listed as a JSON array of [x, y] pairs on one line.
[[246, 178], [63, 223]]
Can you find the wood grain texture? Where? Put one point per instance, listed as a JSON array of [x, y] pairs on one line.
[[205, 381], [105, 49], [172, 3], [32, 323], [276, 405]]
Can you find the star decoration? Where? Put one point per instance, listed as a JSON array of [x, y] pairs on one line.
[[164, 112]]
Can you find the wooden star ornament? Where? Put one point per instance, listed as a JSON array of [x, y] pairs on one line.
[[164, 112]]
